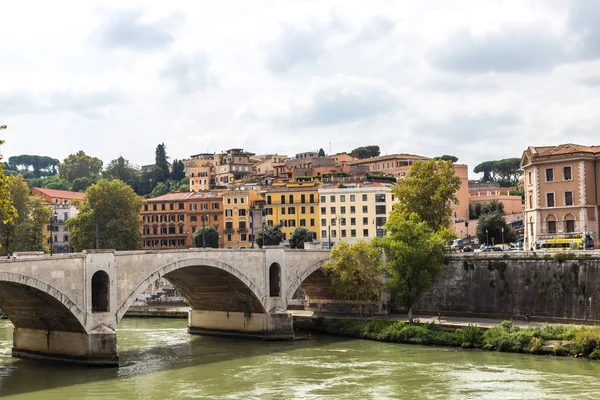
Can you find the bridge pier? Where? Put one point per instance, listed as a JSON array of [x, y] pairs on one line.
[[272, 326], [97, 348]]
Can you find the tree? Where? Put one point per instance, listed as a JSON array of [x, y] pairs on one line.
[[122, 169], [79, 165], [56, 182], [211, 237], [160, 189], [117, 210], [321, 153], [269, 236], [415, 256], [42, 165], [300, 236], [162, 161], [81, 184], [355, 272], [492, 206], [178, 170], [446, 157], [365, 152], [486, 168], [428, 189], [18, 194], [182, 186], [493, 222], [8, 212], [29, 233]]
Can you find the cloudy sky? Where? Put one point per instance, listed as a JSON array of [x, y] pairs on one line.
[[477, 79]]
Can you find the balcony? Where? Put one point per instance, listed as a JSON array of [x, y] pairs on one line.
[[242, 230], [229, 230]]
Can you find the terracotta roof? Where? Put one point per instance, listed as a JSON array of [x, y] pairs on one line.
[[181, 196], [388, 157], [62, 194], [566, 148]]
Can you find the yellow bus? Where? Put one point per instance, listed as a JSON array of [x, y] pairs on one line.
[[565, 244]]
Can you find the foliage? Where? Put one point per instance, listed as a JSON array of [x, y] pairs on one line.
[[415, 255], [586, 342], [470, 336], [162, 161], [300, 236], [447, 157], [506, 171], [321, 153], [7, 209], [25, 231], [160, 189], [182, 186], [365, 152], [79, 165], [355, 272], [122, 169], [211, 237], [562, 257], [42, 165], [269, 236], [56, 182], [117, 210], [81, 184], [493, 222], [428, 189], [487, 207], [178, 170]]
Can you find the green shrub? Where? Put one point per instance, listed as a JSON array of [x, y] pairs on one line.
[[562, 257], [558, 350], [586, 341], [535, 345], [470, 335]]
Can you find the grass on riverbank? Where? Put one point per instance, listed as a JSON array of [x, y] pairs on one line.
[[560, 339]]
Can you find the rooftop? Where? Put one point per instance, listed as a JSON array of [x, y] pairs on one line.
[[62, 194], [388, 157], [182, 196], [567, 148]]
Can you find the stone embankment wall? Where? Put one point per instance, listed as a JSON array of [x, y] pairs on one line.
[[510, 285]]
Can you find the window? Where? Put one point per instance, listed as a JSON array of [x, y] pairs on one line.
[[312, 209], [365, 233], [343, 197], [241, 200], [291, 199], [332, 199], [323, 199], [303, 198], [567, 173], [215, 206], [333, 210], [333, 234], [549, 174], [365, 209], [282, 199], [380, 233], [323, 210], [352, 197], [529, 178], [343, 221], [323, 222], [243, 237], [193, 207], [181, 229], [343, 209], [163, 206], [229, 237], [352, 209], [380, 221], [145, 207], [530, 201], [193, 218], [171, 206], [302, 210], [549, 199], [332, 222], [323, 234], [204, 206], [364, 197], [380, 198], [570, 225], [228, 213], [292, 223], [282, 210], [302, 222], [568, 198], [380, 210], [311, 198], [551, 226], [181, 206], [215, 218], [365, 221], [352, 221], [268, 199], [228, 201], [352, 232], [343, 233], [153, 206], [312, 222]]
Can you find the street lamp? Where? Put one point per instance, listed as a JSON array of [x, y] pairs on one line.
[[502, 229], [203, 233], [52, 218], [487, 240]]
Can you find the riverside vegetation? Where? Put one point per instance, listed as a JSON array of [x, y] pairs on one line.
[[559, 340]]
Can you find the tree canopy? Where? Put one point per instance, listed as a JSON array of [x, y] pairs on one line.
[[211, 237], [427, 191], [447, 157], [117, 209], [269, 236], [121, 168], [162, 161], [494, 222], [300, 236], [8, 212], [487, 207], [414, 254], [355, 272], [79, 165], [506, 171], [178, 170], [365, 152], [42, 165], [321, 153]]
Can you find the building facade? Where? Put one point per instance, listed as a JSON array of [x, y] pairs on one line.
[[63, 208], [562, 191], [239, 207]]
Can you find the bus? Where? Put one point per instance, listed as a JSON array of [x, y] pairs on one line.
[[571, 243]]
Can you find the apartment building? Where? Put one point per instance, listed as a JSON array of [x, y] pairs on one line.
[[233, 165], [239, 207], [170, 220], [63, 208], [562, 191], [292, 205], [266, 165], [354, 212]]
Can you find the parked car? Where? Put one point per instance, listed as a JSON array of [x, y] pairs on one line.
[[467, 249]]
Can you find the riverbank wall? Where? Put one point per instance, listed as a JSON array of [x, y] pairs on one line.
[[551, 287]]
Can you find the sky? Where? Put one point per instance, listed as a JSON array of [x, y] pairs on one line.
[[481, 80]]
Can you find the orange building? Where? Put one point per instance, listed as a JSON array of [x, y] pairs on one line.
[[238, 206], [170, 220]]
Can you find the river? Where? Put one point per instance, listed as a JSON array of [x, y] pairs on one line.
[[161, 361]]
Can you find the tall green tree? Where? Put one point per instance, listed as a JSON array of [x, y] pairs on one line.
[[81, 184], [365, 152], [300, 236], [79, 165], [415, 256], [356, 273], [321, 153], [162, 161], [122, 169], [490, 226], [160, 189], [8, 212], [269, 236], [116, 208], [206, 237], [55, 182], [427, 191], [18, 194], [178, 170], [29, 233], [486, 168]]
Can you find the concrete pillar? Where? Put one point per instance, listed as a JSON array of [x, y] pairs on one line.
[[274, 326], [98, 349]]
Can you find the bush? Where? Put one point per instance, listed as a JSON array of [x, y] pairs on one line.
[[586, 341], [536, 344], [562, 257], [470, 335], [559, 351]]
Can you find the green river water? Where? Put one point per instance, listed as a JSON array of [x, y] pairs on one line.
[[161, 361]]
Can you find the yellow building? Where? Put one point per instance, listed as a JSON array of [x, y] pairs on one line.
[[292, 205], [241, 221]]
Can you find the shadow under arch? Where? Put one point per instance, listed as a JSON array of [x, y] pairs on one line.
[[302, 277], [207, 285], [32, 304]]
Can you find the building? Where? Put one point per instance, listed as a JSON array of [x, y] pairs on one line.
[[63, 208], [169, 221], [239, 207], [233, 165], [266, 165], [292, 205], [562, 191], [513, 204], [354, 212], [202, 178]]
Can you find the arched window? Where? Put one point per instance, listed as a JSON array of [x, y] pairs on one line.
[[100, 292], [275, 280], [569, 223], [551, 224]]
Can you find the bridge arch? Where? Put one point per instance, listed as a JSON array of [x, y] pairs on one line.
[[245, 290], [302, 277], [33, 304]]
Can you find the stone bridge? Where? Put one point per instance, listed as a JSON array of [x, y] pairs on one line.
[[67, 307]]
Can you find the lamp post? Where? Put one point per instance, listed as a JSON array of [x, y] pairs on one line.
[[487, 240], [502, 229]]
